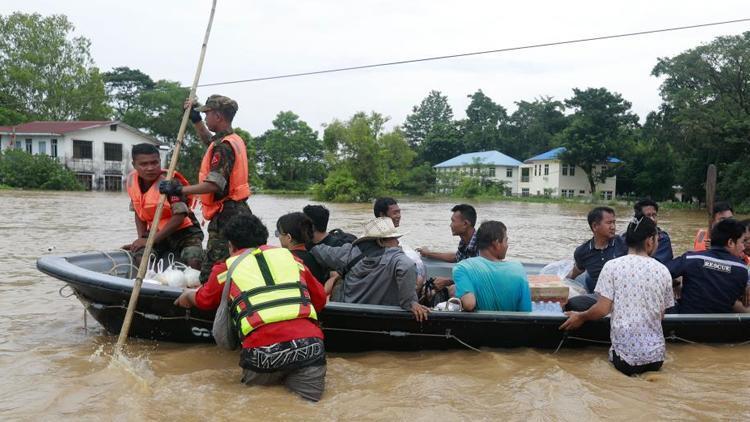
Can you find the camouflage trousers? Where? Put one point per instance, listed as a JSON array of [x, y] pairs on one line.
[[186, 245], [217, 249]]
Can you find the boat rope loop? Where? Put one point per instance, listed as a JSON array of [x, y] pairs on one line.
[[63, 295], [566, 336], [99, 306], [447, 335]]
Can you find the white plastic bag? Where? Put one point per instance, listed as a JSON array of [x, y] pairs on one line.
[[173, 275], [151, 275], [451, 305], [561, 269], [414, 256], [192, 277]]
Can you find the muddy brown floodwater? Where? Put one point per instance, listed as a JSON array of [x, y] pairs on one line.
[[52, 368]]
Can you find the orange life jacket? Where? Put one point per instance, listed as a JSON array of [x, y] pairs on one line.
[[145, 204], [239, 188], [701, 240]]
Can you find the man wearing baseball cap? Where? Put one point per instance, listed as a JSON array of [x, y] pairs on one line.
[[223, 185]]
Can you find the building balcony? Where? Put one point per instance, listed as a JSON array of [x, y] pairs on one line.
[[80, 165], [113, 167]]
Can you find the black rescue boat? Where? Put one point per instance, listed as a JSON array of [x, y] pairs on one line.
[[103, 283]]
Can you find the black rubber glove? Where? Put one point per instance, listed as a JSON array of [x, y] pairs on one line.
[[195, 116], [170, 187]]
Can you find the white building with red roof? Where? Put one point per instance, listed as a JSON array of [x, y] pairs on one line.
[[98, 152]]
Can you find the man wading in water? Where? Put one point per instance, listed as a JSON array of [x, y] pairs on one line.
[[636, 289]]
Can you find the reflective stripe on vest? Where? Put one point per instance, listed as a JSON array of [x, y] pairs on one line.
[[145, 203], [267, 288], [239, 188]]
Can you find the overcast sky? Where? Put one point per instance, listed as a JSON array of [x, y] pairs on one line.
[[263, 38]]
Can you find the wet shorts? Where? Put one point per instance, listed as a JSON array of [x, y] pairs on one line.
[[299, 364]]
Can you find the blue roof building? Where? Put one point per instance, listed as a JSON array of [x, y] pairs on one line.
[[492, 165], [553, 153], [485, 157], [545, 174]]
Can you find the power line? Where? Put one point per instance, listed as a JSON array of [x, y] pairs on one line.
[[475, 53]]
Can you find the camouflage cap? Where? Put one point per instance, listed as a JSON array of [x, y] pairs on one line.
[[219, 102]]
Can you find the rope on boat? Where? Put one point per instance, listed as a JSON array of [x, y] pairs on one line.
[[566, 337], [673, 337], [152, 317], [447, 335]]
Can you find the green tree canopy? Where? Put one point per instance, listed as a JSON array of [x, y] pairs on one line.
[[485, 120], [45, 74], [601, 122], [434, 111], [365, 162], [290, 155], [124, 86], [707, 107], [533, 126]]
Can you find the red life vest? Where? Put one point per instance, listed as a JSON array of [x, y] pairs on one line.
[[239, 188], [145, 203]]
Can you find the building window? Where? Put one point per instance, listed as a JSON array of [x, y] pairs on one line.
[[608, 195], [18, 144], [572, 170], [568, 170], [492, 171], [546, 169], [564, 169], [83, 150], [113, 128], [42, 147], [525, 192], [28, 145], [113, 183], [86, 180], [509, 172], [112, 152], [582, 192], [524, 174], [53, 148]]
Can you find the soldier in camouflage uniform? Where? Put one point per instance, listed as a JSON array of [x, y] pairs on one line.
[[222, 172]]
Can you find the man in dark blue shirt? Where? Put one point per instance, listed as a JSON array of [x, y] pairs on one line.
[[650, 209], [604, 246], [715, 280]]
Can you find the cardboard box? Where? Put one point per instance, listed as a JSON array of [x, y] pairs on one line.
[[548, 287]]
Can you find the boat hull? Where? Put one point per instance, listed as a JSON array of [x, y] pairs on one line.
[[355, 327]]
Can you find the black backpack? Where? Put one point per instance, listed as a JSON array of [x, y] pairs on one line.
[[339, 237]]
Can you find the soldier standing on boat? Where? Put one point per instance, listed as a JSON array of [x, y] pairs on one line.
[[223, 185]]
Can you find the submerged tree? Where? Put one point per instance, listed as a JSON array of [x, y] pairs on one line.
[[365, 161], [290, 155]]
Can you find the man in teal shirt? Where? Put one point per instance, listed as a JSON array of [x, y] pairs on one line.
[[487, 282]]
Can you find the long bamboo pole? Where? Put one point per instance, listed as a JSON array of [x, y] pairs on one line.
[[157, 216], [710, 194]]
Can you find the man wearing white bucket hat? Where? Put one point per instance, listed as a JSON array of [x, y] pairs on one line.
[[374, 270]]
